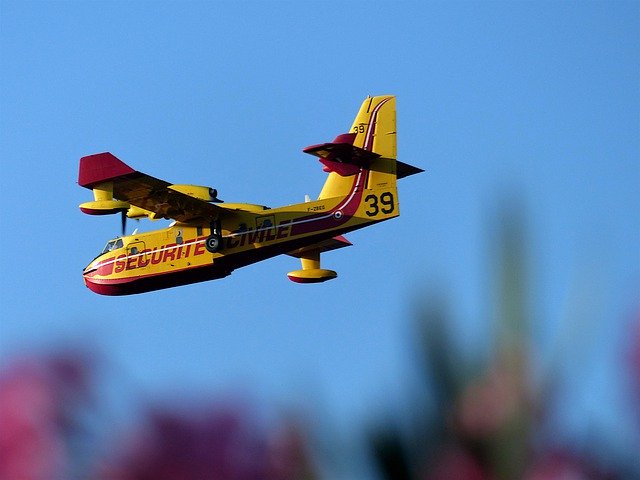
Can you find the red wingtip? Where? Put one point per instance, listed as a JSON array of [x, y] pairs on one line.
[[101, 167]]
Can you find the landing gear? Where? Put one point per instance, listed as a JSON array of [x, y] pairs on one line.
[[213, 243]]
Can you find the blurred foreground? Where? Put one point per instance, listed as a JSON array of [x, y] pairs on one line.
[[498, 415], [504, 414]]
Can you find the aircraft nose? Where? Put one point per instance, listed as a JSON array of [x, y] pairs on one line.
[[89, 270]]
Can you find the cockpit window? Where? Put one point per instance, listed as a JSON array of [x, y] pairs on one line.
[[109, 246], [112, 245]]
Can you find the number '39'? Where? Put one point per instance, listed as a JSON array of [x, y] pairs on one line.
[[385, 203]]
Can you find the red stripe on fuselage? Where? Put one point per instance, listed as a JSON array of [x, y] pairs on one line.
[[347, 208]]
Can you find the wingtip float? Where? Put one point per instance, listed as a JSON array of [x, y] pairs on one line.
[[209, 239]]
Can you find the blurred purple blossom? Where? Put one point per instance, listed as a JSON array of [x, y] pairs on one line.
[[217, 443]]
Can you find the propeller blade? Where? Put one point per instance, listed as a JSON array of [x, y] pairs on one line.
[[123, 221]]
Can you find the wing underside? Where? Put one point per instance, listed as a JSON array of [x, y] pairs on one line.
[[157, 196]]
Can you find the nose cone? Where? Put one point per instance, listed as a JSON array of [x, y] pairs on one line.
[[88, 274], [89, 270], [96, 275], [96, 287], [103, 286]]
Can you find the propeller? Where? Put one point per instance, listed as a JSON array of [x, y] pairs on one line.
[[123, 220]]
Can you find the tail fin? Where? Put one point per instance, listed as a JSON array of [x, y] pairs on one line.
[[370, 143], [375, 126]]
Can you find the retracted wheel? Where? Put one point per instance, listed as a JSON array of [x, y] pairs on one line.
[[213, 243]]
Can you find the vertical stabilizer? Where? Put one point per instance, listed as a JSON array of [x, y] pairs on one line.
[[375, 126], [373, 131]]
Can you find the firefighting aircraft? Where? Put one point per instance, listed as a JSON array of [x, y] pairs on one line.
[[208, 238]]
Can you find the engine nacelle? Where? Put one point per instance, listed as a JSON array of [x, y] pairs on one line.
[[207, 194], [105, 204], [245, 207], [137, 213]]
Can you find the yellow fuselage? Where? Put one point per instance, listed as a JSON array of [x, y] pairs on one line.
[[177, 255]]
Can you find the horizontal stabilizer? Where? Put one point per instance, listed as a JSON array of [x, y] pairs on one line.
[[404, 169], [325, 246], [342, 157], [342, 150]]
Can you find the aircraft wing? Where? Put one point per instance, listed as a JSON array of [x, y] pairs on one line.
[[145, 191], [325, 246]]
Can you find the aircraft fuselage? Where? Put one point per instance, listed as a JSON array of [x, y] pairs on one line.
[[177, 255]]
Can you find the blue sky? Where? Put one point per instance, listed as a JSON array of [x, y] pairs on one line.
[[534, 101]]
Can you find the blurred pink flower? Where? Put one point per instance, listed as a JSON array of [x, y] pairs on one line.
[[490, 402], [564, 466], [37, 395], [454, 463], [30, 447]]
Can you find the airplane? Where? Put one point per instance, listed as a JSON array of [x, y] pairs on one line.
[[208, 238]]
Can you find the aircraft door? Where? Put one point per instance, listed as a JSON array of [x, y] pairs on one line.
[[137, 257]]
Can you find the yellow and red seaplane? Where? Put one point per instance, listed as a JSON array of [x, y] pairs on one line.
[[208, 238]]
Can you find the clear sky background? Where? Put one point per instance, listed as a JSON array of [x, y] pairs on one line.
[[537, 102]]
